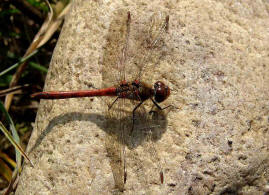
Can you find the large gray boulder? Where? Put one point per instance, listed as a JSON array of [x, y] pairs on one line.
[[215, 59]]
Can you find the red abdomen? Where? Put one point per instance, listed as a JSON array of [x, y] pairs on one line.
[[74, 94]]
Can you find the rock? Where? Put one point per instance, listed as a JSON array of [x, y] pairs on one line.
[[214, 58]]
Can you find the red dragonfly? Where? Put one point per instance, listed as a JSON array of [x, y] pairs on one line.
[[134, 90]]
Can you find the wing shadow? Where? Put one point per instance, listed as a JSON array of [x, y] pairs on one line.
[[155, 122]]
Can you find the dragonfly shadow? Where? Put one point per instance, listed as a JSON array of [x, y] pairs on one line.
[[62, 120], [155, 124], [147, 127]]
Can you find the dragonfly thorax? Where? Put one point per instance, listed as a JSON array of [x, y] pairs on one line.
[[161, 91]]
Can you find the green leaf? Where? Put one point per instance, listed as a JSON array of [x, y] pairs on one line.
[[15, 140], [39, 4], [5, 80], [8, 12]]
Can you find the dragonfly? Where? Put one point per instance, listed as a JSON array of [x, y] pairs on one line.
[[125, 68]]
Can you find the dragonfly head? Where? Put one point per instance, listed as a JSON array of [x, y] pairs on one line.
[[161, 91]]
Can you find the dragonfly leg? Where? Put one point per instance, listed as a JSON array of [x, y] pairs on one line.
[[161, 176], [124, 166], [110, 106], [137, 106], [125, 175], [159, 107]]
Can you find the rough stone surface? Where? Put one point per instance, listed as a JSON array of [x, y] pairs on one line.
[[216, 61]]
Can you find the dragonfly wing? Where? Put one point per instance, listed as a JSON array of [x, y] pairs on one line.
[[148, 129], [115, 51], [115, 54], [115, 142], [147, 42], [117, 68], [149, 45]]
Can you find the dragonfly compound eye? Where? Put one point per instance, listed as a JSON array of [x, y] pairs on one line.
[[161, 91]]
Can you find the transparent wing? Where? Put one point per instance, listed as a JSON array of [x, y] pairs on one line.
[[148, 46], [146, 159], [113, 73], [115, 51], [159, 24], [143, 45], [116, 128], [147, 41], [116, 68]]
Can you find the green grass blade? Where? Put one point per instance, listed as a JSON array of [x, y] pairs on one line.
[[18, 63], [14, 133], [13, 142], [38, 67]]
